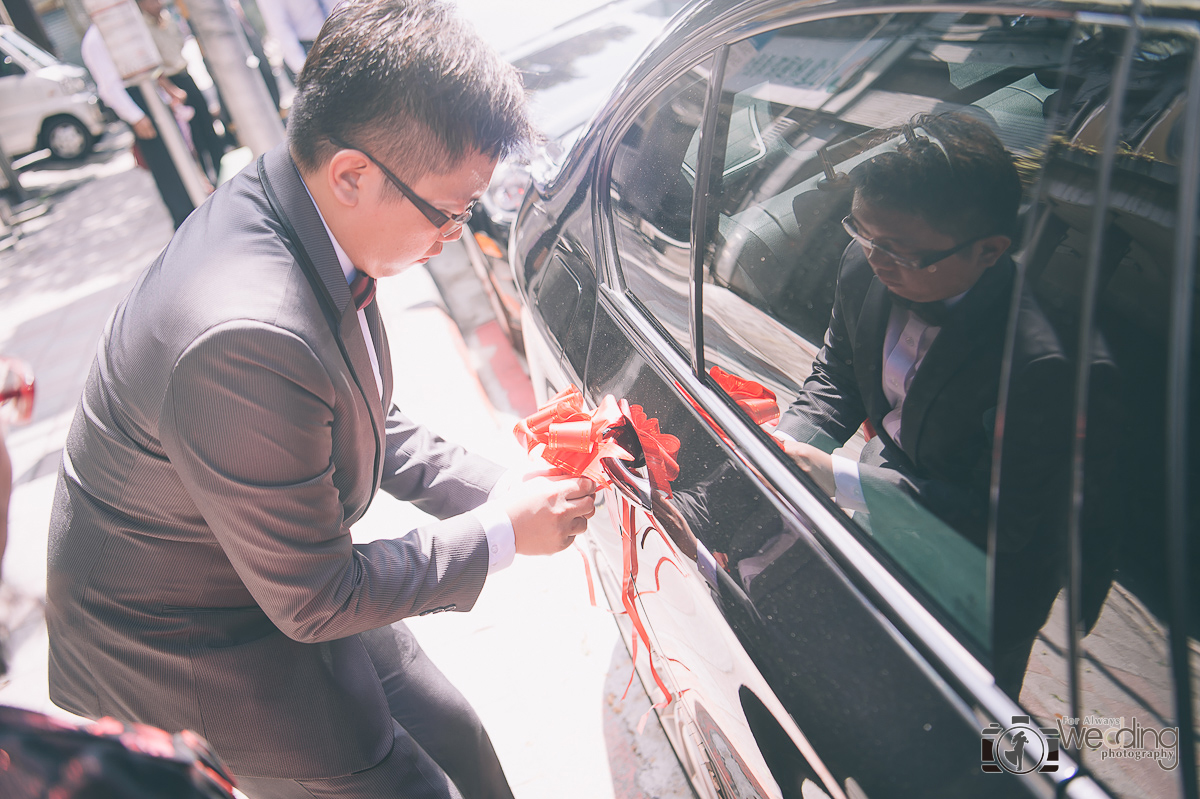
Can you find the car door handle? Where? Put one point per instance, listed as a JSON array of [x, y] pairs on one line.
[[636, 489]]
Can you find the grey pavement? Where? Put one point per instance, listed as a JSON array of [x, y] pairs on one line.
[[544, 669]]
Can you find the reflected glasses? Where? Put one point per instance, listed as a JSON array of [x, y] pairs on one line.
[[444, 222], [906, 261]]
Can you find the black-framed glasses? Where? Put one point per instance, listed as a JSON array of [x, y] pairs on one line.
[[444, 222], [906, 261]]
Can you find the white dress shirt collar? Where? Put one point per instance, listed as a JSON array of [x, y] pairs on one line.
[[351, 272]]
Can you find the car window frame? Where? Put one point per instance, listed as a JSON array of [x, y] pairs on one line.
[[1179, 366], [965, 676]]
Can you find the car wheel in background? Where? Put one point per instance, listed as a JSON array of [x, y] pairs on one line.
[[66, 137]]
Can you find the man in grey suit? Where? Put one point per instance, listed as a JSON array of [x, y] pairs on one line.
[[235, 424]]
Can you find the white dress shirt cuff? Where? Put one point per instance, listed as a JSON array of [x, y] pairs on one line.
[[501, 541], [849, 493], [504, 484]]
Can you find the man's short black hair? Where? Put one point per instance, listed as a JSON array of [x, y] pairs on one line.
[[950, 170], [409, 81]]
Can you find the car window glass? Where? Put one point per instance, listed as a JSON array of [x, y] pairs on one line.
[[651, 190], [9, 66], [1127, 728], [799, 270], [804, 111]]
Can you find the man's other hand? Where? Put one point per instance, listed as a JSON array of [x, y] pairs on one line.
[[816, 463], [144, 129], [548, 510]]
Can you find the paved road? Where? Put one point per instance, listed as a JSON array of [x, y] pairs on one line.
[[544, 669]]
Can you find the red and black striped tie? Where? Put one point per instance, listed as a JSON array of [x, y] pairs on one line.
[[362, 288]]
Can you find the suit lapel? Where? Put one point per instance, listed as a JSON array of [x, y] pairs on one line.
[[302, 215], [868, 351], [972, 323], [312, 241]]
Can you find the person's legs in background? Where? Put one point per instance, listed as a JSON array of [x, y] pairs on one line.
[[209, 146]]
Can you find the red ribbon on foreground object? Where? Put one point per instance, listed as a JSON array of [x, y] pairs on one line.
[[658, 448], [754, 398], [573, 439], [565, 435]]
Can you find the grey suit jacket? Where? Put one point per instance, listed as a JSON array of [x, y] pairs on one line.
[[201, 572]]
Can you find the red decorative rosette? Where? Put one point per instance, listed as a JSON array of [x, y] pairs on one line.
[[658, 448], [565, 435], [754, 398]]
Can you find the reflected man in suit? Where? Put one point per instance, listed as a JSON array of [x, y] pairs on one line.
[[915, 346], [237, 422]]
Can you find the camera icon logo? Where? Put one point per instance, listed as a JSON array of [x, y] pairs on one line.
[[1019, 748]]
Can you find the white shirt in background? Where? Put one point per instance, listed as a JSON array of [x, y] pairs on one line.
[[290, 22], [109, 84]]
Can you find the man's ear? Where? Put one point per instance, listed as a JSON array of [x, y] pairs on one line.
[[991, 248], [344, 173]]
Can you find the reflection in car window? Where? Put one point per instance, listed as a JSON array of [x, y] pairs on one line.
[[652, 186], [815, 261], [892, 146], [1123, 615]]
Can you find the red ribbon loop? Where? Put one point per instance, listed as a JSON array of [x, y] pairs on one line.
[[565, 435], [658, 448], [754, 398]]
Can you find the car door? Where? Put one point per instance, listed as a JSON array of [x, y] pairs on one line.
[[800, 647], [745, 611]]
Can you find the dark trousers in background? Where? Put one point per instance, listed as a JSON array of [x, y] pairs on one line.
[[209, 146], [162, 168]]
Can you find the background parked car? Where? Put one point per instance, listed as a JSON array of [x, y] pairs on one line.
[[44, 103], [697, 222]]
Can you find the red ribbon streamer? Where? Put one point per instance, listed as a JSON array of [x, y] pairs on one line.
[[566, 435], [754, 398], [628, 595]]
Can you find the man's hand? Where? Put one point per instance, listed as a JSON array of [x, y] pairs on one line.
[[177, 95], [674, 523], [144, 129], [814, 462], [548, 510]]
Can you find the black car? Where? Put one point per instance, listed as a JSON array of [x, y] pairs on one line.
[[568, 71], [991, 593]]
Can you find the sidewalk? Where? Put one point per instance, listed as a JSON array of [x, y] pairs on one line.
[[544, 670]]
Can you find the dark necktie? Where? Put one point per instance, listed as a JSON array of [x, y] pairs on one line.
[[932, 313], [362, 288]]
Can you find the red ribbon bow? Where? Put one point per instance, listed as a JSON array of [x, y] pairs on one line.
[[565, 435], [658, 448], [573, 439], [754, 398]]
